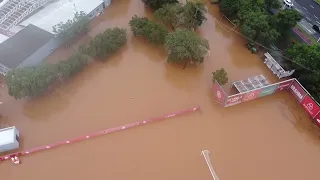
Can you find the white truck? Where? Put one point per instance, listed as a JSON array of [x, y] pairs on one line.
[[9, 139]]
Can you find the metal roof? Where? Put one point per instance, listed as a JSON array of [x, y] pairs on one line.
[[19, 47]]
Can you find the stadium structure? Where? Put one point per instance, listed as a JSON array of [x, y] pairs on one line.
[[26, 33]]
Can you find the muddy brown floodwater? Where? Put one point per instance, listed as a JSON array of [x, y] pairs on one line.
[[259, 140]]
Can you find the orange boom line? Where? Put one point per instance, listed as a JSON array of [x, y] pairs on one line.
[[99, 133]]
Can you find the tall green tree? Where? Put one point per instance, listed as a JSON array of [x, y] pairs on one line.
[[286, 19], [257, 27], [68, 30], [184, 46], [156, 4], [272, 4], [106, 43], [154, 32], [307, 63], [170, 14], [72, 66], [194, 12]]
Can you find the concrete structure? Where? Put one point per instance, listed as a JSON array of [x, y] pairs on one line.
[[9, 139], [30, 45]]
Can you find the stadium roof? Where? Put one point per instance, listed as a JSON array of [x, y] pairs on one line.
[[251, 83], [60, 11], [19, 47]]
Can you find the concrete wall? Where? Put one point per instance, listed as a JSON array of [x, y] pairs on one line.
[[37, 57]]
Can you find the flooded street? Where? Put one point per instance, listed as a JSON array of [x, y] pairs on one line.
[[262, 139]]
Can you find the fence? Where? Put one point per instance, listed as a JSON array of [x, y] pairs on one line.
[[291, 85]]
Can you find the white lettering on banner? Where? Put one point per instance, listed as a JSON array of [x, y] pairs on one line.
[[283, 86], [296, 92], [310, 106], [219, 94], [318, 120]]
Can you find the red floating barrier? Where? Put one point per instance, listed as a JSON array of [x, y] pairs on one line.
[[15, 159]]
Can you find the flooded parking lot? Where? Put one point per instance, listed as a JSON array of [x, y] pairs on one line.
[[262, 139]]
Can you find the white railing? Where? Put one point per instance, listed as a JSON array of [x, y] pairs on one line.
[[13, 10], [30, 9]]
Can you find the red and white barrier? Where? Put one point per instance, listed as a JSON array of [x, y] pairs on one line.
[[14, 156]]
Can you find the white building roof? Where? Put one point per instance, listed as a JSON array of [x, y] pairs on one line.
[[7, 136], [60, 11], [3, 38]]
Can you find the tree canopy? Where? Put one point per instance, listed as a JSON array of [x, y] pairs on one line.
[[307, 56], [154, 32], [220, 76], [257, 27], [34, 81], [106, 43], [185, 46], [71, 28], [156, 4], [286, 19], [189, 16]]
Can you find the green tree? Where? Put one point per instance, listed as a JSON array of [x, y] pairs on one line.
[[306, 60], [230, 8], [272, 4], [73, 65], [170, 14], [30, 81], [156, 4], [286, 19], [106, 43], [71, 28], [220, 76], [153, 31], [256, 26], [186, 46], [194, 12]]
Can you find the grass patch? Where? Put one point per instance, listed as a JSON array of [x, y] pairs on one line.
[[317, 1], [306, 33]]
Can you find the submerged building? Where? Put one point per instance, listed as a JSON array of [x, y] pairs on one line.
[[26, 28]]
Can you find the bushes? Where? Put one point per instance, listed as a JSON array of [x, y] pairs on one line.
[[71, 28], [156, 4], [34, 81], [106, 43], [154, 32], [220, 76]]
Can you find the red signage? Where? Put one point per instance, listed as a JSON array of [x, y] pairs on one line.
[[234, 99], [219, 94], [284, 85], [310, 106], [251, 95], [317, 119], [297, 91]]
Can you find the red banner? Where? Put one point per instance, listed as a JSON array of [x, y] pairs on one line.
[[219, 94], [297, 91], [234, 99], [310, 106], [317, 119], [251, 95], [284, 85]]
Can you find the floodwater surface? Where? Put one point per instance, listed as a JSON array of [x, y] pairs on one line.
[[267, 138]]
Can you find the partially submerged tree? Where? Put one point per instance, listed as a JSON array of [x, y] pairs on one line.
[[194, 12], [170, 14], [34, 81], [220, 76], [189, 16], [154, 32], [30, 81], [71, 28], [106, 43], [73, 65], [156, 4], [186, 46]]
